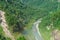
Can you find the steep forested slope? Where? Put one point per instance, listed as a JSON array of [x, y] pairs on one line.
[[22, 13]]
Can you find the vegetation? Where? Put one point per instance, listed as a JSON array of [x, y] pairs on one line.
[[21, 38], [52, 21], [20, 14]]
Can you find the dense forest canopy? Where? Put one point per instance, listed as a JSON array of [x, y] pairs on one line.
[[20, 12]]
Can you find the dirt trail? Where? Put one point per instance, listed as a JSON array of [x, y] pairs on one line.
[[5, 26], [36, 30]]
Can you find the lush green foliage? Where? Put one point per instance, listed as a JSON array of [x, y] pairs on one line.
[[49, 23], [21, 38], [52, 18], [20, 14]]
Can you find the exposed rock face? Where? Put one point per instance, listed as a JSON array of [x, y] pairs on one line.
[[56, 34], [5, 26]]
